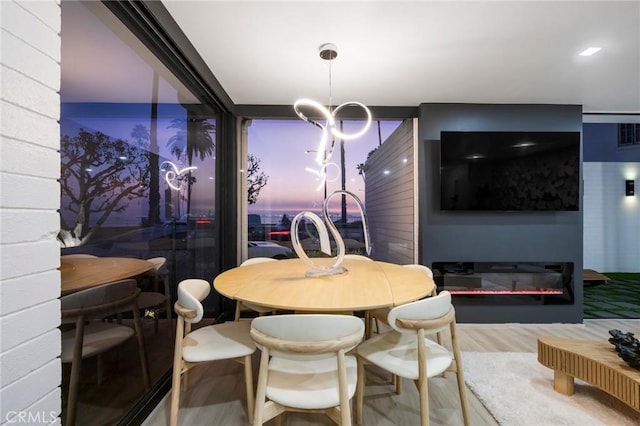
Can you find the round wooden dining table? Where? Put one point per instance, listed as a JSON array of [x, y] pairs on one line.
[[79, 273], [283, 285]]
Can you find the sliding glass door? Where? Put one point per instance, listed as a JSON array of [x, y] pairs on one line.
[[138, 179]]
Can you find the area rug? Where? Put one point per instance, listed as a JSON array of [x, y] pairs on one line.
[[517, 390]]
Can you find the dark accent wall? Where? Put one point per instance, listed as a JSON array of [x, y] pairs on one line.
[[497, 236]]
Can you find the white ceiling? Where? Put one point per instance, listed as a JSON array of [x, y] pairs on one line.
[[395, 53]]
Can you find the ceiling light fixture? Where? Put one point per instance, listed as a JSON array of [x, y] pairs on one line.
[[590, 51], [329, 52]]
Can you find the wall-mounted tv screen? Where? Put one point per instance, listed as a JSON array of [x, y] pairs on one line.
[[509, 171]]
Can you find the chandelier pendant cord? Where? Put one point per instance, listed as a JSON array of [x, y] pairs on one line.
[[330, 94], [333, 138]]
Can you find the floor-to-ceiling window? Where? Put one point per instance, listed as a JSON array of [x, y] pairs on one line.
[[138, 170], [288, 172]]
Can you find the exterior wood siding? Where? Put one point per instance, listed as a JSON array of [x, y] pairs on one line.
[[390, 197]]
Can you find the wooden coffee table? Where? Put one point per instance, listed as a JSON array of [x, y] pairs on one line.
[[595, 362]]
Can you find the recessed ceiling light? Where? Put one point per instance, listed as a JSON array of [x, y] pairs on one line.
[[590, 51]]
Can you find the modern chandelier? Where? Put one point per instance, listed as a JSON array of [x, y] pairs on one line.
[[329, 52]]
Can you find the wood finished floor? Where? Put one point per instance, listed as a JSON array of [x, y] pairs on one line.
[[216, 391]]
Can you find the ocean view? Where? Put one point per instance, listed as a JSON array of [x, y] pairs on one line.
[[274, 217]]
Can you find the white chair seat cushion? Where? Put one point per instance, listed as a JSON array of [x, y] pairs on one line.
[[148, 299], [98, 337], [309, 384], [220, 341], [398, 354]]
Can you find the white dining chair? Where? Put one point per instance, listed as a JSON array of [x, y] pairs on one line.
[[246, 306], [229, 340], [377, 316], [304, 365], [406, 352]]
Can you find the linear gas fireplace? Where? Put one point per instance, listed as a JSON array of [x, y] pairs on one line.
[[506, 283]]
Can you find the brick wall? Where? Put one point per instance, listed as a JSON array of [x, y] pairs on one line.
[[29, 199]]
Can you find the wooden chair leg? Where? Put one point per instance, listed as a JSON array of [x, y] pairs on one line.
[[76, 365], [177, 372], [462, 390], [237, 315], [142, 351], [345, 407], [248, 379], [360, 391], [423, 393], [440, 339], [422, 382], [169, 321], [262, 388], [398, 381], [367, 325]]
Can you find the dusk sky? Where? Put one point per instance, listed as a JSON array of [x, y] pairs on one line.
[[281, 146]]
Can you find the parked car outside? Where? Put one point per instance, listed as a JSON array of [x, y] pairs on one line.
[[268, 249]]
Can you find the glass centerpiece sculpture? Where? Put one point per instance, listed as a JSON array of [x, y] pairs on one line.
[[336, 267]]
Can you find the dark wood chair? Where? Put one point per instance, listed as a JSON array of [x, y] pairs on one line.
[[92, 336], [158, 299]]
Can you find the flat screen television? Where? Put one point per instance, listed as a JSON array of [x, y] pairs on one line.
[[509, 171]]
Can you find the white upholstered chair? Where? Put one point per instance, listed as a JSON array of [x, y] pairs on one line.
[[377, 316], [91, 336], [304, 365], [240, 306], [229, 340], [406, 352], [158, 299]]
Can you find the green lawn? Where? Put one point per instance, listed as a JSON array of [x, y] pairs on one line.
[[617, 298]]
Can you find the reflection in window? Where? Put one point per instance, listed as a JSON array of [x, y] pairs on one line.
[[124, 118]]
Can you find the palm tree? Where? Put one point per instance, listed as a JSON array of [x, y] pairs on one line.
[[199, 141], [142, 135]]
